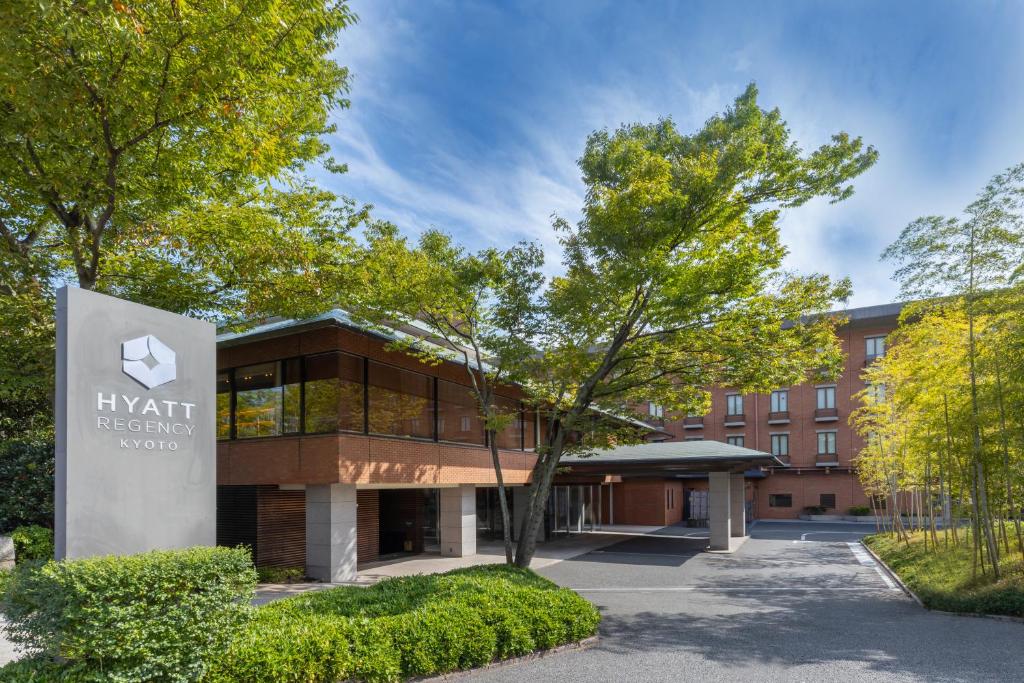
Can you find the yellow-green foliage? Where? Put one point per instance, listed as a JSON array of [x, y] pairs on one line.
[[942, 576]]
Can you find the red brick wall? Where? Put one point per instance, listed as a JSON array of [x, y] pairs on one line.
[[806, 489], [645, 502], [367, 525], [802, 427], [356, 458]]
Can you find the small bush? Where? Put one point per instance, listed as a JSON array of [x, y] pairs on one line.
[[860, 511], [26, 483], [32, 543], [814, 510], [160, 615], [408, 626], [281, 574]]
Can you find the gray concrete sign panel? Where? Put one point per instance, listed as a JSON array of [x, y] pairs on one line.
[[135, 419]]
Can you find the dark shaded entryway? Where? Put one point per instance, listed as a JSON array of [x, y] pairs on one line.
[[402, 514]]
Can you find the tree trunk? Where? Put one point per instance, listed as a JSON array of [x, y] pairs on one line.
[[543, 475], [506, 520]]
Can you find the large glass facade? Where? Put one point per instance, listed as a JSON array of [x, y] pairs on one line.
[[334, 393], [401, 402], [458, 416], [340, 392]]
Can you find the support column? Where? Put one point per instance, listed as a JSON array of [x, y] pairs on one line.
[[719, 509], [458, 521], [331, 532], [738, 500]]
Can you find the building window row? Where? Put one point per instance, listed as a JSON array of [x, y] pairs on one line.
[[340, 392]]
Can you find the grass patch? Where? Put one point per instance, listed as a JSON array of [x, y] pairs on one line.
[[942, 577], [406, 627]]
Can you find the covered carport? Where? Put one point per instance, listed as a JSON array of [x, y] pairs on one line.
[[724, 464]]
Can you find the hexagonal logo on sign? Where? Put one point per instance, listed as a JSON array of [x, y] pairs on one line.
[[148, 361]]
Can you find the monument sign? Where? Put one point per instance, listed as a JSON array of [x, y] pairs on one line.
[[135, 439]]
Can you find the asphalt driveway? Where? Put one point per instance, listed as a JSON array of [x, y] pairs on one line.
[[798, 602]]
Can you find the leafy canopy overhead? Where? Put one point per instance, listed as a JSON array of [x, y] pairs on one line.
[[674, 276], [172, 133]]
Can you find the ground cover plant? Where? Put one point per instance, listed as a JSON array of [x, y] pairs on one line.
[[944, 578], [405, 627]]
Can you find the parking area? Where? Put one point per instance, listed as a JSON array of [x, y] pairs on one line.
[[798, 602]]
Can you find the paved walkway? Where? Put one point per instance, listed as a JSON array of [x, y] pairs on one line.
[[795, 603], [548, 554]]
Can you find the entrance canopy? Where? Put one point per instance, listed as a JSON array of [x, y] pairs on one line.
[[670, 457]]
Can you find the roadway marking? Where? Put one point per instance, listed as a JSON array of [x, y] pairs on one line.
[[803, 537], [865, 559]]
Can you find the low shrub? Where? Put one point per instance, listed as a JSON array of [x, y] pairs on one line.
[[859, 511], [32, 543], [161, 615], [26, 483], [814, 510], [408, 626], [280, 574]]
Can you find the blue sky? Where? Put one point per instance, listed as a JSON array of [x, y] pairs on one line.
[[469, 116]]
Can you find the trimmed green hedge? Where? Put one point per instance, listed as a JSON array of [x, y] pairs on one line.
[[404, 627], [160, 615], [32, 543], [26, 483]]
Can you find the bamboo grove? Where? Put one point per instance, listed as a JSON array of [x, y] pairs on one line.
[[942, 416]]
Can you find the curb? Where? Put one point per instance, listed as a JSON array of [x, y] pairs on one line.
[[893, 575], [912, 594], [584, 644]]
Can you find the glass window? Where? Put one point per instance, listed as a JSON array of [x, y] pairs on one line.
[[734, 404], [734, 440], [223, 405], [655, 410], [511, 437], [826, 398], [780, 500], [827, 500], [267, 399], [334, 393], [693, 438], [780, 444], [877, 393], [826, 443], [780, 401], [401, 402], [458, 415], [874, 347]]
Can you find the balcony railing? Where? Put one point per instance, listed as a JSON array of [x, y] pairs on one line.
[[735, 420], [826, 414], [779, 417], [784, 459], [693, 422], [868, 360], [827, 460]]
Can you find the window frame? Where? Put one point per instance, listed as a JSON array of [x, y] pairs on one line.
[[773, 500], [775, 405], [780, 436], [829, 392], [874, 340], [731, 401], [731, 439], [834, 441]]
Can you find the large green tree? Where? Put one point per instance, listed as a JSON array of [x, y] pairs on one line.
[[673, 278], [481, 309], [157, 150]]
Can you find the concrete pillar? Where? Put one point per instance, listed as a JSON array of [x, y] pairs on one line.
[[719, 509], [458, 521], [331, 532], [738, 501]]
